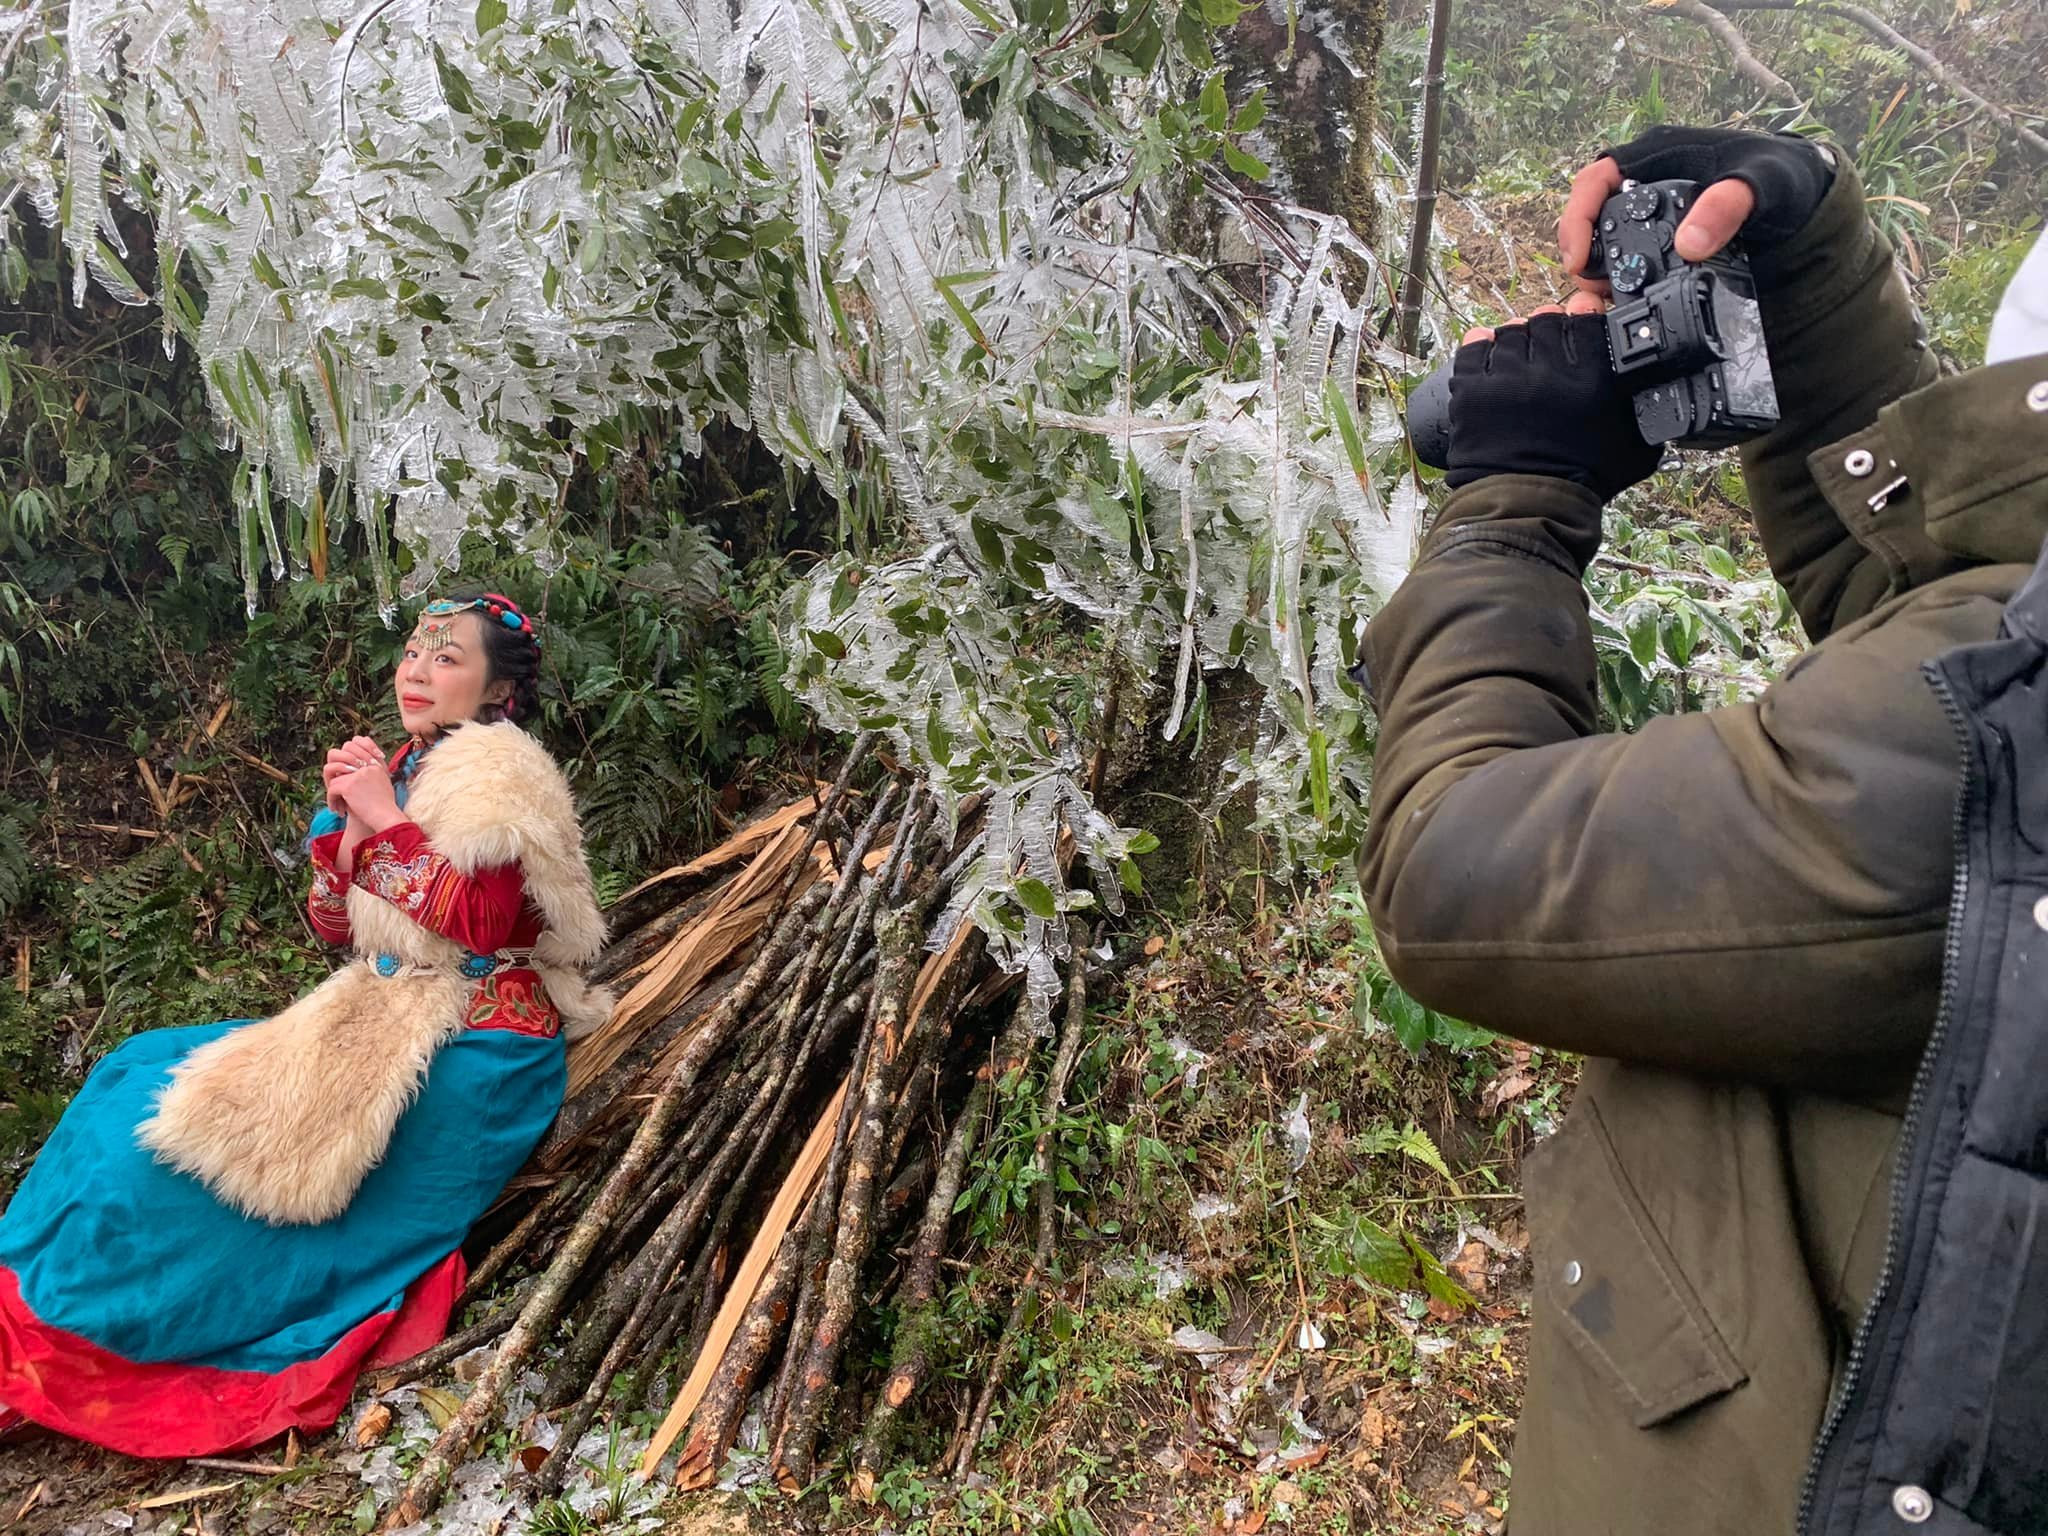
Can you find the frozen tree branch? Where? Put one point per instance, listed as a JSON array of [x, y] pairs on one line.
[[441, 253]]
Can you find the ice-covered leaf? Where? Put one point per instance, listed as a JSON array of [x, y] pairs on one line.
[[431, 260]]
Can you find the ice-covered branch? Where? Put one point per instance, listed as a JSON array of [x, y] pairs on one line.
[[428, 255]]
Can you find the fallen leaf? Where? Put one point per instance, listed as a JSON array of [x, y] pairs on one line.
[[293, 1449], [371, 1427], [1505, 1089], [1285, 1493], [1251, 1524], [1154, 945], [440, 1404], [1443, 1311], [1470, 1267], [1311, 1457], [531, 1456]]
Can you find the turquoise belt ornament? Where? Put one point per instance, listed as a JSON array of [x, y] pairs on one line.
[[471, 965]]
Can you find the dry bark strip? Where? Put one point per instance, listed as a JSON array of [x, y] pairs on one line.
[[715, 1422], [768, 1251], [623, 1314]]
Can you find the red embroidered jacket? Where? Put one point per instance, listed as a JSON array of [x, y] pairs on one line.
[[484, 913]]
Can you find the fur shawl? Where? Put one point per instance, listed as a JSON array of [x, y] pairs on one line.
[[283, 1119]]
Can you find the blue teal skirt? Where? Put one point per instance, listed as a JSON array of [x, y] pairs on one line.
[[110, 1260]]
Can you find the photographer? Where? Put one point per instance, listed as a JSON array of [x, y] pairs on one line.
[[1772, 1191]]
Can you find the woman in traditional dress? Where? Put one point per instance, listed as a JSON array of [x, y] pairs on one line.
[[233, 1220]]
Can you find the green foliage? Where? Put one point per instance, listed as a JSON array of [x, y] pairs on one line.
[[1958, 309], [1380, 1002], [15, 870], [122, 628], [557, 1517], [1355, 1247], [1681, 621], [1536, 91]]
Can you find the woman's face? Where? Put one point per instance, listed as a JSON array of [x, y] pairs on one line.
[[443, 677]]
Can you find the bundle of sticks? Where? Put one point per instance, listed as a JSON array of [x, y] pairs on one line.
[[785, 1083]]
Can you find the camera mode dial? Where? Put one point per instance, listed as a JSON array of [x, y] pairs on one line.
[[1641, 203], [1629, 272]]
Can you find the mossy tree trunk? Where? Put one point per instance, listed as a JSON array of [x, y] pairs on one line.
[[1325, 99]]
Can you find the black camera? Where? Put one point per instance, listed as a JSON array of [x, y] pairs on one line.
[[1689, 335]]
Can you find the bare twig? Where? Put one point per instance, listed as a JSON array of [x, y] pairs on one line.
[[454, 1347], [1747, 64], [1935, 68]]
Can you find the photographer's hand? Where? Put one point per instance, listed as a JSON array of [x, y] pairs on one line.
[[1764, 186], [1536, 397], [1843, 337]]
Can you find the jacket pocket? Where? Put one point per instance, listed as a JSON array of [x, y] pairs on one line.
[[1606, 1281], [1968, 1416]]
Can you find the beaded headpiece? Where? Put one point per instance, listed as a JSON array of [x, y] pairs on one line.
[[496, 609]]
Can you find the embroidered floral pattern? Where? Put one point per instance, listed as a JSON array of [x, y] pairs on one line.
[[421, 886], [327, 901], [515, 1000], [329, 897]]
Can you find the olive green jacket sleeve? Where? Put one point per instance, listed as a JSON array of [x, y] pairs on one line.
[[1757, 892], [1844, 342]]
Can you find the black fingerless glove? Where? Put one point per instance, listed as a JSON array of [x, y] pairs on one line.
[[1788, 174], [1540, 399]]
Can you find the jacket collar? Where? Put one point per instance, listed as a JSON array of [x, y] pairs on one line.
[[1951, 475]]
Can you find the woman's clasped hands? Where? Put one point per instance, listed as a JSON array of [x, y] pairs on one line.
[[359, 785]]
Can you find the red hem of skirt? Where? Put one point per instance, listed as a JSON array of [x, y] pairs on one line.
[[70, 1384]]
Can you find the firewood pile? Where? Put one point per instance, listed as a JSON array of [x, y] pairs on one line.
[[773, 1125]]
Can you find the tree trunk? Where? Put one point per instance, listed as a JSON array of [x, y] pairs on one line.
[[1325, 103]]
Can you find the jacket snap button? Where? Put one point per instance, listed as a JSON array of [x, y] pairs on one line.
[[1912, 1504], [1572, 1273], [2037, 397], [1860, 462], [2041, 913]]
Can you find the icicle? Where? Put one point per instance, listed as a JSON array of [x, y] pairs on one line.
[[259, 499], [370, 513], [251, 539], [941, 315]]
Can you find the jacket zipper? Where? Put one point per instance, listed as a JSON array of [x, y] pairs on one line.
[[1909, 1127]]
